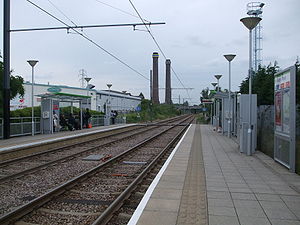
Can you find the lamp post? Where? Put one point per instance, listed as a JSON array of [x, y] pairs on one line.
[[87, 79], [250, 23], [32, 63], [218, 78], [108, 103], [214, 107], [229, 58], [123, 105], [218, 103]]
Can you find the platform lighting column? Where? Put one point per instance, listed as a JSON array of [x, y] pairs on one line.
[[32, 63], [109, 102], [124, 105], [250, 23], [87, 79], [218, 77], [214, 106], [229, 58]]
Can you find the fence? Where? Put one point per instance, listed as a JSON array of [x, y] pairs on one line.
[[265, 129], [20, 126]]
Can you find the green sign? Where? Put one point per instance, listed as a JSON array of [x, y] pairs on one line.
[[54, 89]]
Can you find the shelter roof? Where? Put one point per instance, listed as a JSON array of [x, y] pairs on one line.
[[64, 97]]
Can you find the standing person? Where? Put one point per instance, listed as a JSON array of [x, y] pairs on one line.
[[55, 122], [87, 116], [71, 122], [112, 116], [77, 123]]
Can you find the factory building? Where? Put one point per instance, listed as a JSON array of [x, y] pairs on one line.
[[120, 101]]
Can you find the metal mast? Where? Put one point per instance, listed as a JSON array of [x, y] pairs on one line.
[[255, 9], [82, 75]]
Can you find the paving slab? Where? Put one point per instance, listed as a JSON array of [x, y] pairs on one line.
[[255, 184], [210, 182]]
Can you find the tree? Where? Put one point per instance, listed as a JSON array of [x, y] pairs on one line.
[[262, 84], [16, 85], [205, 94]]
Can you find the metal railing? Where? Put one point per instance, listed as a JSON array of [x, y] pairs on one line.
[[97, 121], [20, 126]]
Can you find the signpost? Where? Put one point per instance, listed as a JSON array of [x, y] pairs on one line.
[[285, 117]]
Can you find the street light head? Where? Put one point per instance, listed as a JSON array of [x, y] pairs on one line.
[[109, 85], [32, 62], [87, 79], [218, 77], [250, 22], [229, 57], [214, 84]]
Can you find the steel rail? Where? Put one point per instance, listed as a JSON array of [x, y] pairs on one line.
[[140, 126], [27, 171], [6, 162], [117, 203], [24, 172], [21, 211]]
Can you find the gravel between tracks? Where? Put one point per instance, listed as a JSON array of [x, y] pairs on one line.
[[21, 190], [85, 201]]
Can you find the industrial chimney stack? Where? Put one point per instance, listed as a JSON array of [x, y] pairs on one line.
[[155, 94], [168, 82]]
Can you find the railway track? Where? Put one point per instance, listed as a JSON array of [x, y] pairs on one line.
[[93, 196], [31, 187], [23, 165]]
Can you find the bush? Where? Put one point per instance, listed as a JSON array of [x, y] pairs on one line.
[[150, 112], [26, 112]]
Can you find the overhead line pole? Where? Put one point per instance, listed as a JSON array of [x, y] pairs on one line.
[[6, 74]]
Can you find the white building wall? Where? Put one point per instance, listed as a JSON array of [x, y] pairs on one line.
[[119, 101]]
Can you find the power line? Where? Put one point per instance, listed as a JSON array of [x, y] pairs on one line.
[[121, 10], [62, 12], [89, 39], [158, 45]]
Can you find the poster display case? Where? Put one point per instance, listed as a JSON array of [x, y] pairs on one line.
[[285, 117]]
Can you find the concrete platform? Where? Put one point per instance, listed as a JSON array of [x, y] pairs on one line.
[[27, 141], [207, 181]]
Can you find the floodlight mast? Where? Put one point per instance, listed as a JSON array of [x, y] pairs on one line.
[[254, 9]]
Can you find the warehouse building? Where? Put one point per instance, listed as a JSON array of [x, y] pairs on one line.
[[120, 101]]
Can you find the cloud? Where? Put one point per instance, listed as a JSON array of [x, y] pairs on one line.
[[196, 41]]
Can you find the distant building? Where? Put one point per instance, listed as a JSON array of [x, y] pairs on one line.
[[120, 101]]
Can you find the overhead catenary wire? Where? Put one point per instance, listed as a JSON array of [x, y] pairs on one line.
[[87, 38], [62, 12], [121, 10], [160, 49]]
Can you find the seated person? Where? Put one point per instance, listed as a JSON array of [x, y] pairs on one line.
[[63, 123]]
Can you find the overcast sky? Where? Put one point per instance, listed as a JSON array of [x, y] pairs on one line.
[[196, 35]]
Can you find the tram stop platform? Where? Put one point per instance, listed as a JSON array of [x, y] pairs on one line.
[[206, 180], [29, 140]]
